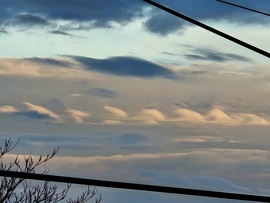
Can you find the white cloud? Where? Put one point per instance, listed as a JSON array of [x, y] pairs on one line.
[[116, 112], [8, 109], [150, 116], [77, 115], [218, 116], [189, 115], [43, 110], [251, 119]]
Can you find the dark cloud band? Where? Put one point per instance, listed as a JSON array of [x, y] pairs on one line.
[[125, 66], [103, 12]]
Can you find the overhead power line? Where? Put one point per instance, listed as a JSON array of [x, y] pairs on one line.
[[211, 29], [246, 8], [135, 186]]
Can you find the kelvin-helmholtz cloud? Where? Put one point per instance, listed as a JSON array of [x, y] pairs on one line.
[[84, 14]]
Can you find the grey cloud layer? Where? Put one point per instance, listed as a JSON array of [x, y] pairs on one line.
[[49, 61], [125, 66], [162, 23], [101, 13], [101, 92], [104, 12], [214, 55]]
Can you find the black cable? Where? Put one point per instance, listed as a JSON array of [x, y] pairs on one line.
[[213, 30], [135, 186], [246, 8]]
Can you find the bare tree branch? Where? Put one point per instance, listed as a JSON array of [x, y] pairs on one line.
[[19, 190]]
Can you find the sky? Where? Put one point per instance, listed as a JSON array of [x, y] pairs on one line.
[[131, 93]]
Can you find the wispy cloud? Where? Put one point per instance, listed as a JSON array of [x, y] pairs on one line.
[[117, 116], [7, 109], [101, 92], [204, 54], [35, 112], [50, 61], [78, 115], [58, 32], [44, 111]]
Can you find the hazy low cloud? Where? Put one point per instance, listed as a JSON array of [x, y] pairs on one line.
[[49, 61], [214, 162], [101, 92], [78, 115]]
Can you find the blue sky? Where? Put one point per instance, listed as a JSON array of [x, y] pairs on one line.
[[131, 93]]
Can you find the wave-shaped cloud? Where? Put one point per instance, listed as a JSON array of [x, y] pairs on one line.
[[35, 112], [218, 116], [146, 116]]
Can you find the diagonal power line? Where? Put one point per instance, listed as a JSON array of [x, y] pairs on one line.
[[211, 29], [135, 186], [246, 8]]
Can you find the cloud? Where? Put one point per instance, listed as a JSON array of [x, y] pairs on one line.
[[78, 115], [101, 92], [82, 15], [156, 23], [3, 31], [125, 66], [58, 32], [251, 119], [35, 112], [150, 116], [218, 116], [40, 110], [227, 163], [204, 54], [33, 115], [41, 68], [27, 20], [189, 115], [100, 14], [161, 23], [116, 112], [49, 61], [207, 169], [132, 139], [8, 109]]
